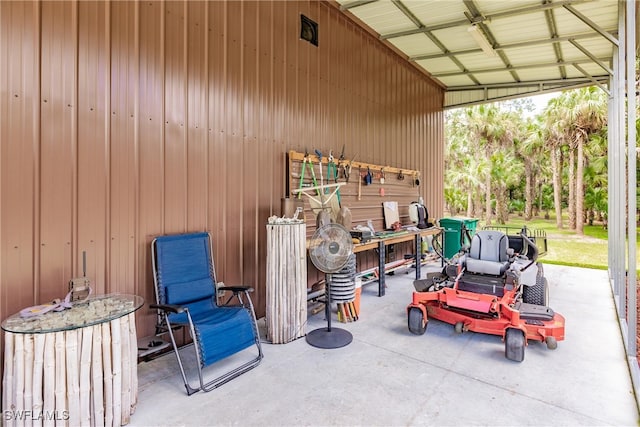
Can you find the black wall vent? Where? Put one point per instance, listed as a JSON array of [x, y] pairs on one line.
[[308, 30]]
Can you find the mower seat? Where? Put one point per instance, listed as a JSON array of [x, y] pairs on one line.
[[488, 253]]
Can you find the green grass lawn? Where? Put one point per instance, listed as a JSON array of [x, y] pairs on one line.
[[565, 247]]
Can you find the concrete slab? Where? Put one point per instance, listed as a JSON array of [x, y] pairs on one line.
[[388, 376]]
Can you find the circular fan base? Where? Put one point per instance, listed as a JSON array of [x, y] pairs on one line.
[[329, 338]]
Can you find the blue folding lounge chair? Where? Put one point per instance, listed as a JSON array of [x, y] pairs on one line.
[[185, 282]]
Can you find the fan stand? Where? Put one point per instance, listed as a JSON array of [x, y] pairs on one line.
[[326, 337], [329, 337]]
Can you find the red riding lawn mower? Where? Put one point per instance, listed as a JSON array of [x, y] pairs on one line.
[[494, 286]]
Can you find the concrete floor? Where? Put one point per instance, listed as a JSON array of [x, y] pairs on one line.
[[390, 377]]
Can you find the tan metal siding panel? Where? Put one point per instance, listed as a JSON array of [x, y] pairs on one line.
[[93, 119], [123, 148], [19, 142], [250, 173], [57, 153], [216, 118], [151, 150], [175, 144], [229, 180], [197, 147], [264, 184]]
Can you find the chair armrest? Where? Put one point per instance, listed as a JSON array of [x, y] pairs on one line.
[[168, 307], [235, 289]]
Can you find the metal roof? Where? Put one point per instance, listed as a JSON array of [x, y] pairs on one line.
[[532, 46]]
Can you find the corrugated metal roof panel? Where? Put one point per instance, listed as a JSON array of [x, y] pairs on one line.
[[496, 77], [528, 55], [546, 73], [523, 32], [519, 28], [490, 7], [456, 38], [460, 80], [383, 17], [415, 44], [440, 65], [480, 61], [433, 12]]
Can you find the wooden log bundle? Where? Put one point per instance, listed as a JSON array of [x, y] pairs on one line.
[[79, 377], [286, 287]]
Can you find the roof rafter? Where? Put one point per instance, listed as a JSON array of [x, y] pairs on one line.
[[517, 67]]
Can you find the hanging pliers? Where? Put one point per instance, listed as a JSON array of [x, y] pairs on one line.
[[332, 170], [307, 160]]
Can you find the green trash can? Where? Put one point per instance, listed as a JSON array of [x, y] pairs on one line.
[[453, 236]]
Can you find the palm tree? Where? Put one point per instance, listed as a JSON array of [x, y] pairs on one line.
[[554, 122], [588, 115], [530, 151], [595, 176], [504, 173]]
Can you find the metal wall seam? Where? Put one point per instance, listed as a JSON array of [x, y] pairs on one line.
[[137, 237]]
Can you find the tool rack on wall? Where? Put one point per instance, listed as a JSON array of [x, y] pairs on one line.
[[364, 201]]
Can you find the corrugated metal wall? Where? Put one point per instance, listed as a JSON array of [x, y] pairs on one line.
[[120, 121]]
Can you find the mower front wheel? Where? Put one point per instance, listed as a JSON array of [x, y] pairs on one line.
[[458, 327], [514, 343], [417, 322]]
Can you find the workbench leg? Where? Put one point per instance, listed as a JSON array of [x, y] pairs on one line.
[[381, 272], [418, 255]]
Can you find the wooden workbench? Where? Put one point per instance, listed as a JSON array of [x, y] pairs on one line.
[[382, 243]]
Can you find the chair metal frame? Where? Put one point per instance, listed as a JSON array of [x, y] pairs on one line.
[[165, 325]]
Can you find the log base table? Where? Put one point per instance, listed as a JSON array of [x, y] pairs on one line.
[[75, 367]]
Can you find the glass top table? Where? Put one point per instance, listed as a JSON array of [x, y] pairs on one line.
[[97, 309]]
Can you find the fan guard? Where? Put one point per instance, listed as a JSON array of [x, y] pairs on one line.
[[330, 248]]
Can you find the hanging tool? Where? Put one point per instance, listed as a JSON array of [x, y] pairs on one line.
[[400, 176], [382, 176], [341, 164], [347, 170], [307, 160], [319, 154], [332, 172], [359, 184], [368, 178]]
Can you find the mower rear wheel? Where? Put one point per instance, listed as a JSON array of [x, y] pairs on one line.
[[537, 294], [417, 323], [514, 343], [458, 327], [551, 342]]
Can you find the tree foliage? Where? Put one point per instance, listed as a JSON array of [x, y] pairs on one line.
[[501, 161]]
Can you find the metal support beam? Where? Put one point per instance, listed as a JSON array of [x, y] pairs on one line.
[[632, 177], [595, 82], [517, 67], [556, 84], [591, 24], [591, 56], [499, 47], [623, 184]]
